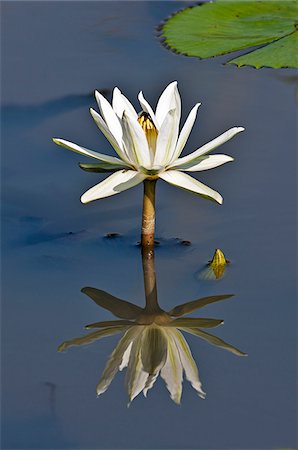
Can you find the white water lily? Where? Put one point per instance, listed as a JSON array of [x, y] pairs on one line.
[[149, 146]]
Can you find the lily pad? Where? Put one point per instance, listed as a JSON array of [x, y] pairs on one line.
[[213, 29]]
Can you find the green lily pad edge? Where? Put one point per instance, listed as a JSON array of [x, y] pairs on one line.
[[217, 28]]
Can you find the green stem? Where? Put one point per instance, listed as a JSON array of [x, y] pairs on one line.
[[148, 216]]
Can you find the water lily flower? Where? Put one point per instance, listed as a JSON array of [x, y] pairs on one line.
[[149, 147]]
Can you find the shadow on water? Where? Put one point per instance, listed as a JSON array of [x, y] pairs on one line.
[[32, 115], [152, 341]]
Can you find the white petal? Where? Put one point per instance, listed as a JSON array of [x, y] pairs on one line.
[[150, 383], [208, 147], [188, 363], [135, 377], [166, 139], [115, 360], [110, 137], [169, 99], [125, 358], [121, 103], [185, 132], [206, 162], [110, 117], [172, 371], [114, 184], [84, 151], [147, 108], [135, 142], [184, 181]]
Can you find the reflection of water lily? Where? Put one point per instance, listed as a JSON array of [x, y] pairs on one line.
[[149, 146], [152, 343]]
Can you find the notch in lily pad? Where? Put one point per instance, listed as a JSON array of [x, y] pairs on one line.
[[266, 29]]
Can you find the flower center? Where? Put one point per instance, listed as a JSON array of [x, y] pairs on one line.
[[150, 130]]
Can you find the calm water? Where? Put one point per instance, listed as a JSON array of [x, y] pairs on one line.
[[54, 55]]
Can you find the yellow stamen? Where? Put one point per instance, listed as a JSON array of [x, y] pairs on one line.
[[149, 128]]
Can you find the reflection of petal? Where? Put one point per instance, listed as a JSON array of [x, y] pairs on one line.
[[153, 354], [125, 358], [188, 363], [154, 349], [120, 308], [172, 371], [214, 340], [115, 360], [194, 322], [110, 323], [136, 377], [91, 337], [189, 307]]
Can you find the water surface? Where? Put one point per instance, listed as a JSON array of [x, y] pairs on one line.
[[54, 55]]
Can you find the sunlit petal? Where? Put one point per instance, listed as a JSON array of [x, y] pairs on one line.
[[185, 132], [169, 99], [194, 157], [135, 142], [86, 152], [205, 163], [109, 116], [114, 184], [116, 144], [147, 108], [184, 181], [166, 139], [121, 103]]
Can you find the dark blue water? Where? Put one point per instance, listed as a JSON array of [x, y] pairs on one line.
[[54, 54]]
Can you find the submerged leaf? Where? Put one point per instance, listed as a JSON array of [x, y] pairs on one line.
[[221, 27]]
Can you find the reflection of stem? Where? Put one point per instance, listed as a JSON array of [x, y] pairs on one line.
[[148, 217], [152, 305]]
